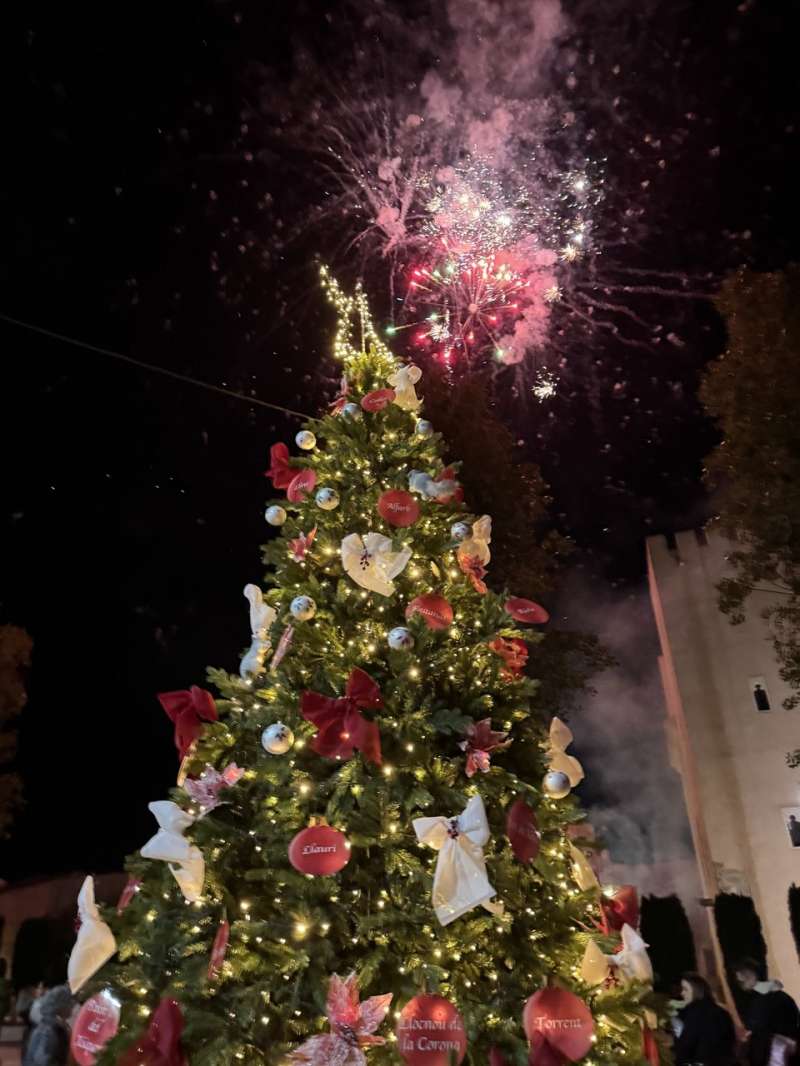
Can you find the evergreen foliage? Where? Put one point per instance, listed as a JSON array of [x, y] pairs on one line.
[[15, 657]]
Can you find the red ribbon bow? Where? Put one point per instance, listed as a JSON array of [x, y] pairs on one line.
[[160, 1044], [342, 729], [620, 909], [188, 709], [280, 472]]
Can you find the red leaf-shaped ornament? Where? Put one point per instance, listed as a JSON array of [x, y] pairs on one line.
[[300, 486], [522, 830], [559, 1018], [526, 611], [435, 610], [398, 508], [377, 400]]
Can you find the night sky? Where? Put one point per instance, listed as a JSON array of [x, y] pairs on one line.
[[157, 201]]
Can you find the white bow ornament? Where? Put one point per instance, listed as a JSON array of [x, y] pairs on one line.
[[582, 873], [261, 618], [460, 882], [185, 859], [632, 963], [476, 546], [559, 761], [424, 485], [371, 562], [95, 944], [403, 382]]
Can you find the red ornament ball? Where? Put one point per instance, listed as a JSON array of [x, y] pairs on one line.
[[320, 850], [522, 830], [526, 611], [430, 1031], [96, 1024], [398, 508], [435, 610], [559, 1019]]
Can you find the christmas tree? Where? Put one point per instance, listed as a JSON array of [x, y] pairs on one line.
[[370, 854]]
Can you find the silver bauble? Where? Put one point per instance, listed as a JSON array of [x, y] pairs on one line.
[[277, 738], [400, 639], [352, 410], [460, 530], [556, 784], [275, 515], [327, 499], [423, 428], [303, 608], [306, 440]]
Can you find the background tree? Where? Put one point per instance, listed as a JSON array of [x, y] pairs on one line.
[[666, 930], [15, 656], [753, 392], [740, 936]]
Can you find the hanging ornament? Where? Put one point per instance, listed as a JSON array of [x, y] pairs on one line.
[[219, 950], [95, 943], [401, 639], [558, 760], [342, 729], [96, 1024], [526, 611], [403, 382], [582, 873], [205, 790], [319, 850], [352, 411], [300, 546], [556, 785], [262, 617], [481, 741], [327, 499], [300, 486], [423, 484], [287, 636], [277, 739], [522, 830], [185, 860], [160, 1044], [477, 543], [558, 1020], [448, 489], [430, 1032], [303, 608], [188, 709], [306, 440], [275, 515], [372, 562], [398, 508], [436, 612], [377, 400], [460, 882], [475, 571], [514, 653], [460, 530], [352, 1027], [280, 471], [337, 406], [423, 429], [630, 963], [620, 907], [129, 890]]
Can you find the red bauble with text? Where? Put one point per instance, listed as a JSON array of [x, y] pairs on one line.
[[96, 1024], [320, 850], [430, 1032], [558, 1018], [522, 830], [435, 610], [398, 508], [526, 611]]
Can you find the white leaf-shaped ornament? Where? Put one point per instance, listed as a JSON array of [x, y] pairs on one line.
[[476, 545], [372, 563], [95, 944], [261, 618], [559, 762], [460, 882], [631, 963], [403, 382], [582, 872], [185, 859]]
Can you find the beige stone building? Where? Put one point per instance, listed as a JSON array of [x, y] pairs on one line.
[[729, 735]]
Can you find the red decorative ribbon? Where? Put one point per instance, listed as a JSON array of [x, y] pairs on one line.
[[620, 909], [160, 1044], [650, 1047], [279, 471], [513, 652], [342, 728], [188, 709]]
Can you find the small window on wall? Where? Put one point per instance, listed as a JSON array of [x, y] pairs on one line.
[[761, 700]]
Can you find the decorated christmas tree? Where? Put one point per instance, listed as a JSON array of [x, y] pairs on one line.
[[371, 853]]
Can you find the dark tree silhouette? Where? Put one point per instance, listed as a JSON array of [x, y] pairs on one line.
[[666, 929]]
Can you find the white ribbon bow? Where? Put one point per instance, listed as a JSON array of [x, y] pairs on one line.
[[371, 563], [632, 963], [403, 382], [261, 618], [559, 761], [95, 944], [460, 882], [171, 847], [582, 873], [476, 546]]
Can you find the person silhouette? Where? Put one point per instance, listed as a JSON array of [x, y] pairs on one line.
[[761, 698]]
